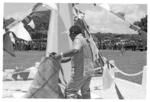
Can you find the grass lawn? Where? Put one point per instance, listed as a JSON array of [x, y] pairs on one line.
[[130, 62], [23, 59]]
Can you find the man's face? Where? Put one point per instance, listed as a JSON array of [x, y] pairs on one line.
[[72, 36]]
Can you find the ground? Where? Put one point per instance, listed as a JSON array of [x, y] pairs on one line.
[[130, 62]]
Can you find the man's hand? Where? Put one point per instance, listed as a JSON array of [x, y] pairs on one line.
[[55, 55], [58, 57]]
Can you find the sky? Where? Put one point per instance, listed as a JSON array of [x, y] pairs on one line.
[[99, 19]]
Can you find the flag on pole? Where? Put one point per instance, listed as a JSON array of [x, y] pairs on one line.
[[8, 45], [20, 31], [52, 40], [60, 22]]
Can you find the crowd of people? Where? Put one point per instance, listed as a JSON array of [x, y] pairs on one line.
[[22, 45], [40, 45], [133, 46]]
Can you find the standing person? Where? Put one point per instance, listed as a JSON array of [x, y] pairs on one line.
[[122, 50], [81, 62]]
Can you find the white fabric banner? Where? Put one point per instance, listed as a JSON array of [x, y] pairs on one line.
[[107, 78], [12, 37], [21, 32]]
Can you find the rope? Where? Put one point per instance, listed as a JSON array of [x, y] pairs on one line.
[[63, 76], [42, 85], [126, 74]]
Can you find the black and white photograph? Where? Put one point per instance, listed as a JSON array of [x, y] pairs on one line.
[[74, 50]]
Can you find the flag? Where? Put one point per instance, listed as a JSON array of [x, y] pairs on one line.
[[7, 44], [60, 22], [52, 42], [107, 77], [31, 24], [121, 15], [20, 31]]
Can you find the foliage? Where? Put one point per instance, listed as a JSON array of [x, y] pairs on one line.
[[142, 23]]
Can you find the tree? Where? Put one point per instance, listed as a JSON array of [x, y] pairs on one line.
[[143, 30], [142, 23]]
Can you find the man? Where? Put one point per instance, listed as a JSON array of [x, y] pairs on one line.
[[81, 62]]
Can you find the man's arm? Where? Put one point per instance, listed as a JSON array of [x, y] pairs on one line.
[[65, 60], [76, 48], [71, 53]]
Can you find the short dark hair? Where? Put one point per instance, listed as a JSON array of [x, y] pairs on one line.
[[75, 29]]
